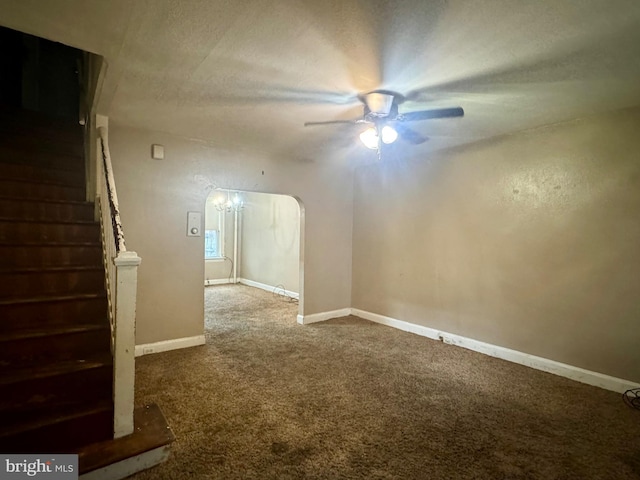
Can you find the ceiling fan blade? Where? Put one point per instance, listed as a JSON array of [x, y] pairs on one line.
[[409, 135], [428, 114], [331, 122]]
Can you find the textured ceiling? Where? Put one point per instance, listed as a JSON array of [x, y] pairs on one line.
[[248, 74]]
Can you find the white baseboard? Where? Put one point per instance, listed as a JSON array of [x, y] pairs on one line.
[[323, 316], [166, 345], [127, 467], [399, 324], [216, 281], [539, 363], [269, 288]]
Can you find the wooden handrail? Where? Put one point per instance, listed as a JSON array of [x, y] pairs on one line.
[[118, 233]]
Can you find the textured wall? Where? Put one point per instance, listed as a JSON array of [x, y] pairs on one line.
[[529, 242], [270, 250], [155, 196]]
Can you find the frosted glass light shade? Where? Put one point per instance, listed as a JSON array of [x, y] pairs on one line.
[[389, 135], [370, 138]]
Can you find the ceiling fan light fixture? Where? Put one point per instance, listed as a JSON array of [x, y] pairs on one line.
[[388, 134], [370, 138]]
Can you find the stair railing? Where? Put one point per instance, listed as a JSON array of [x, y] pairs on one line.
[[121, 267]]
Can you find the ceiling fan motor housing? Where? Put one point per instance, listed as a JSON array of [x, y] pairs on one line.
[[379, 104]]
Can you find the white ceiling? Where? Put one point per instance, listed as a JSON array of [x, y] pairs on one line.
[[248, 74]]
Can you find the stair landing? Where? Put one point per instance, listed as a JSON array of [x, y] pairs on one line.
[[146, 447]]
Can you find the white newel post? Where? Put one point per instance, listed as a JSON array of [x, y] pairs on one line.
[[124, 342]]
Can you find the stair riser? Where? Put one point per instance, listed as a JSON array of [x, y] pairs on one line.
[[62, 437], [62, 212], [28, 315], [88, 385], [36, 128], [31, 351], [11, 188], [44, 283], [33, 232], [11, 171], [42, 158], [41, 142], [49, 256], [43, 409]]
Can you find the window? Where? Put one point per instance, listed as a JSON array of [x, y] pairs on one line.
[[214, 231], [212, 244]]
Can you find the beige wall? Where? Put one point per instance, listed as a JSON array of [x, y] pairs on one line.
[[530, 242], [155, 196], [270, 234]]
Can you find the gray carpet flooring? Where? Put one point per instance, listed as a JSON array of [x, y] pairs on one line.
[[269, 399]]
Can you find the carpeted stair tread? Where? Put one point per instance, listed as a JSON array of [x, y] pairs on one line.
[[29, 373], [51, 298]]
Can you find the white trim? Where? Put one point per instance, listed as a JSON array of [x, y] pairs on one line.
[[166, 345], [124, 338], [127, 467], [268, 288], [539, 363], [399, 324], [216, 281], [322, 316]]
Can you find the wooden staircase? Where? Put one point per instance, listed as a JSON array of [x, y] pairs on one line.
[[55, 358]]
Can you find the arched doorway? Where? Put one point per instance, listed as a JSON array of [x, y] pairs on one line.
[[255, 239]]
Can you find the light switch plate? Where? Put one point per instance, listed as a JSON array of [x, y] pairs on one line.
[[194, 224], [157, 152]]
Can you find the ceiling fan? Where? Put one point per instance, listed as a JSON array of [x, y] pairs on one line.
[[386, 122]]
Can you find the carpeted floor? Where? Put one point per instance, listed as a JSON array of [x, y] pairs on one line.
[[269, 399]]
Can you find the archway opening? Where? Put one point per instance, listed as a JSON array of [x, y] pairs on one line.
[[253, 241]]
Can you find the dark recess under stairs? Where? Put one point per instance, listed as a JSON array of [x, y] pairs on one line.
[[56, 369]]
